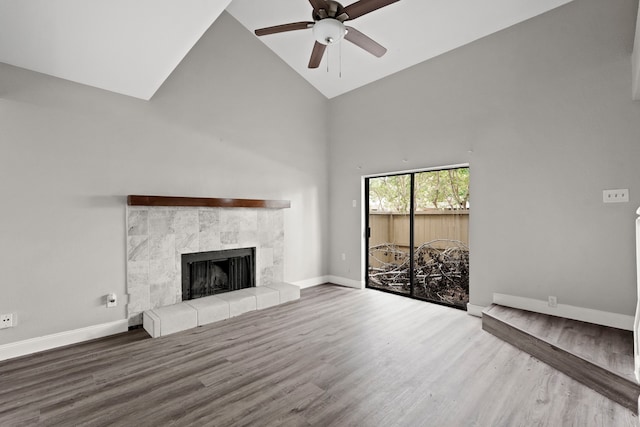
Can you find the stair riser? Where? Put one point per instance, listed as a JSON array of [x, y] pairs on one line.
[[593, 376]]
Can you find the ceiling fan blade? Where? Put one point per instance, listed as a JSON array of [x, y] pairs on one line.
[[366, 43], [284, 27], [363, 7], [316, 55]]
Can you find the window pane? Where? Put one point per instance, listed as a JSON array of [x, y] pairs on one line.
[[389, 216], [441, 236]]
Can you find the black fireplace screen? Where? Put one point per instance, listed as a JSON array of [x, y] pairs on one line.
[[215, 272]]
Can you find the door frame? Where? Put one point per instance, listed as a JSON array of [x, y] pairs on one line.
[[366, 231]]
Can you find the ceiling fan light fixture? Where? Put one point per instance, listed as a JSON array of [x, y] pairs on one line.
[[329, 31]]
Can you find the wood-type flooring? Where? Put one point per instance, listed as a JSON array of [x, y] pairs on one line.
[[336, 357], [598, 356]]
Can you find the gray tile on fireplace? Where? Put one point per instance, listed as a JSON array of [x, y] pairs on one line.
[[265, 220], [137, 248], [162, 247], [162, 294], [265, 237], [265, 258], [186, 221], [248, 239], [139, 299], [249, 220], [137, 273], [209, 241], [138, 222], [186, 243], [239, 219], [161, 221], [266, 276], [162, 271], [209, 220], [229, 238]]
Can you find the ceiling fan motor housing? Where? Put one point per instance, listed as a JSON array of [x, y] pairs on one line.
[[332, 9]]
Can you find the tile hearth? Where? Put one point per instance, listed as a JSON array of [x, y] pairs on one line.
[[203, 311]]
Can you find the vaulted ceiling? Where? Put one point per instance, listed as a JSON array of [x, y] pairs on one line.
[[413, 31], [131, 47], [124, 46]]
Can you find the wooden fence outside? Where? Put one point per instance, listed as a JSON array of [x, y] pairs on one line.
[[429, 225]]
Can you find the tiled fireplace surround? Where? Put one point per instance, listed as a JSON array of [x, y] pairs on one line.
[[158, 236]]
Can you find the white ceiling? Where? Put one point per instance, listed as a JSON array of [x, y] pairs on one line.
[[132, 46], [413, 31], [124, 46]]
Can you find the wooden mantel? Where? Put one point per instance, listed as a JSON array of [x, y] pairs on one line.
[[133, 200]]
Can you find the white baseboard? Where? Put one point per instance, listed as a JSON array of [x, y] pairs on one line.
[[303, 284], [342, 281], [589, 315], [34, 345], [475, 310]]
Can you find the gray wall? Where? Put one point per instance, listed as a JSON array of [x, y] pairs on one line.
[[543, 113], [221, 126]]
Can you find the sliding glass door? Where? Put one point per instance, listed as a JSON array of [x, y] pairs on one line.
[[389, 237], [418, 227]]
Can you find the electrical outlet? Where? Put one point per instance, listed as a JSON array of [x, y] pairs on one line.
[[553, 302], [6, 321], [344, 257], [112, 300], [615, 196]]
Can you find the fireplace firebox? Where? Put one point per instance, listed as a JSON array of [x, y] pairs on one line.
[[216, 272]]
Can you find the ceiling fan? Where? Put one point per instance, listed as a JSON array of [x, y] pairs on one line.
[[329, 28]]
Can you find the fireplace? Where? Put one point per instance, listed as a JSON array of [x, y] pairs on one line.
[[216, 272], [158, 236]]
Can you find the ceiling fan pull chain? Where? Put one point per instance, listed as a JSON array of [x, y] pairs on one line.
[[327, 50], [340, 59]]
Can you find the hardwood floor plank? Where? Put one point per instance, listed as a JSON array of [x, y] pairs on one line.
[[610, 348], [68, 353], [564, 351], [336, 357], [46, 394]]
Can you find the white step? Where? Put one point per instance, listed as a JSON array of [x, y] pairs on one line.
[[202, 311]]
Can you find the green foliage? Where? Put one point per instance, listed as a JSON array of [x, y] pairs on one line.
[[390, 193], [445, 189]]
